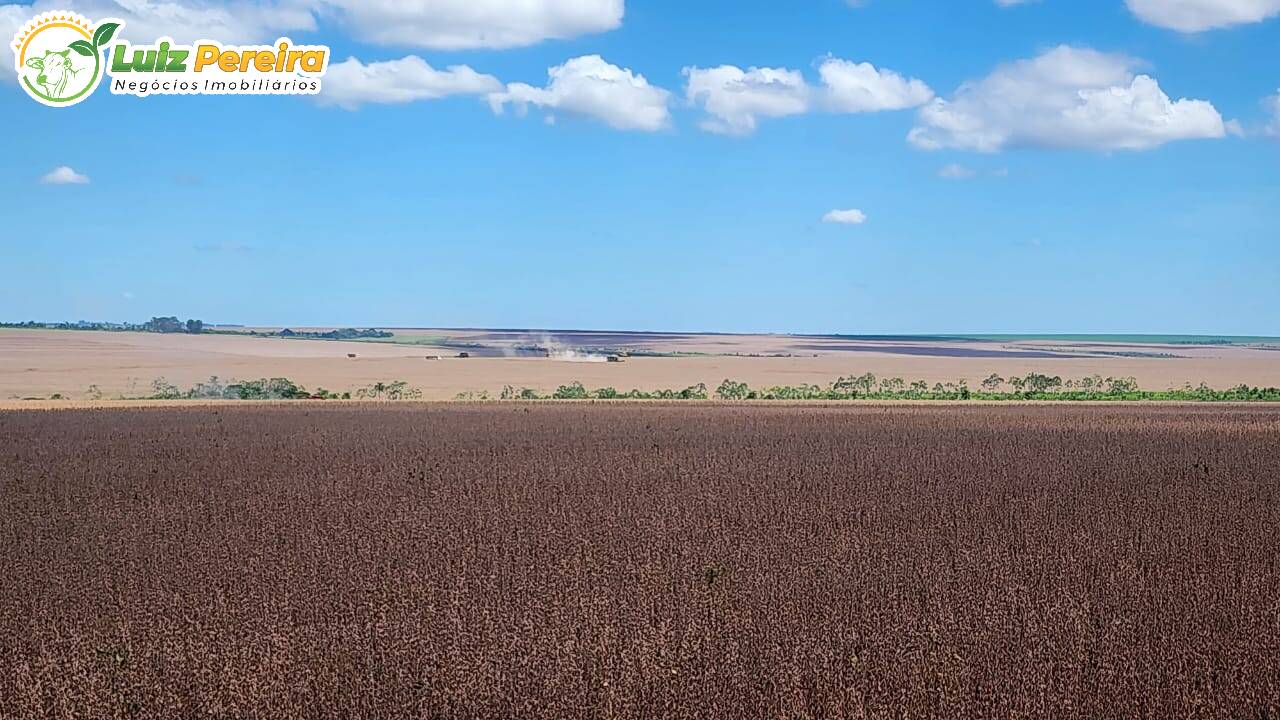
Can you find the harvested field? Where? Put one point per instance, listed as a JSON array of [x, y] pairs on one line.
[[40, 363], [594, 561]]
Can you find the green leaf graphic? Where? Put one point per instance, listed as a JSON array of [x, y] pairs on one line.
[[103, 34], [83, 47]]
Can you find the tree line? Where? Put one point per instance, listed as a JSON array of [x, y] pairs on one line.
[[274, 389], [1033, 386], [167, 324]]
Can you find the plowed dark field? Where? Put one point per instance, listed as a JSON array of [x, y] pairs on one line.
[[640, 561]]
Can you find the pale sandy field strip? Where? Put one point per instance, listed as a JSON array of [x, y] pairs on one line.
[[39, 363]]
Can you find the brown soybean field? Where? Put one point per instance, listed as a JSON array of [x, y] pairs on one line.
[[640, 561]]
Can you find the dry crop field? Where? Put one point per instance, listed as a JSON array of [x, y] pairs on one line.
[[39, 363], [640, 561]]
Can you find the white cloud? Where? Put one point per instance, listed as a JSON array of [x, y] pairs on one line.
[[860, 87], [1191, 16], [463, 24], [183, 20], [439, 24], [1272, 104], [63, 175], [351, 83], [956, 172], [845, 217], [590, 86], [735, 99], [11, 19], [1065, 98]]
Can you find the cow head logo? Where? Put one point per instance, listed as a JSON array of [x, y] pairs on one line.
[[60, 56]]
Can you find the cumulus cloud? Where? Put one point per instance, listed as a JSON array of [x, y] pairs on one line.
[[956, 172], [594, 88], [1065, 98], [860, 87], [351, 83], [735, 99], [183, 20], [1272, 104], [845, 217], [438, 24], [466, 24], [63, 175], [11, 19], [1192, 16]]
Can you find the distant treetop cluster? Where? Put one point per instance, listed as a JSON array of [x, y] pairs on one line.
[[172, 324], [169, 324]]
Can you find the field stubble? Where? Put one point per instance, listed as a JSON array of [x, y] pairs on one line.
[[560, 561]]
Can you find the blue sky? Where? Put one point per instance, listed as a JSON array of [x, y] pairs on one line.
[[1044, 166]]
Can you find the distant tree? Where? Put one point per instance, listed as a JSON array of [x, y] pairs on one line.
[[866, 383], [1121, 386], [572, 391], [162, 389], [1038, 383], [696, 392], [892, 386], [509, 392], [195, 327], [212, 389], [992, 383], [371, 392], [1091, 384], [164, 325], [264, 389], [400, 390], [731, 390]]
